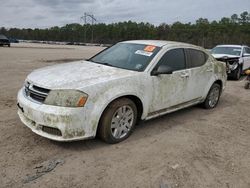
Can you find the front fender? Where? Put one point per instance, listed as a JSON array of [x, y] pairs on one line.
[[111, 92]]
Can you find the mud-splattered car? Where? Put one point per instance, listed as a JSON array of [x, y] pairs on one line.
[[109, 93], [236, 57]]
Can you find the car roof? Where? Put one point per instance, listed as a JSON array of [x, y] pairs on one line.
[[160, 43], [231, 45]]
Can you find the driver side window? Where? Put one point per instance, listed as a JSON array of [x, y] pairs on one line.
[[175, 59]]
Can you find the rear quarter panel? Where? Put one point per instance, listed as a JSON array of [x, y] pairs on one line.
[[219, 73]]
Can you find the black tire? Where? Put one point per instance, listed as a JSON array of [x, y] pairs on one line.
[[207, 104], [237, 73], [105, 131], [8, 45], [247, 85]]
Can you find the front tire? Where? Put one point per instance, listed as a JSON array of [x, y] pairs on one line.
[[118, 121], [213, 97], [237, 73]]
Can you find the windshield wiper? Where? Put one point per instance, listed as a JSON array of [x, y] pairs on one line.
[[107, 64]]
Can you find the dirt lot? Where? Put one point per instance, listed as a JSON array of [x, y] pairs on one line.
[[190, 148]]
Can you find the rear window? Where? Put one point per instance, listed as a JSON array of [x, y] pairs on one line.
[[196, 58]]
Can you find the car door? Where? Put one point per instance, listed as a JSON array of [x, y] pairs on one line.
[[246, 58], [200, 71], [169, 89]]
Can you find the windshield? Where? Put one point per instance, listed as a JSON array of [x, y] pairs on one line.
[[127, 56], [227, 50]]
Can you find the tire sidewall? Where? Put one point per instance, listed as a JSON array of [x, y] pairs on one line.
[[105, 123], [237, 73], [206, 104]]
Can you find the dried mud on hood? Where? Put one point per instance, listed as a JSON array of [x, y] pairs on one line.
[[75, 75]]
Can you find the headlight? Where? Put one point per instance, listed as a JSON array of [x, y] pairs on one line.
[[66, 98]]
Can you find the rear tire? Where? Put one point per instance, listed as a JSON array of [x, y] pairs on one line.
[[118, 121], [213, 97]]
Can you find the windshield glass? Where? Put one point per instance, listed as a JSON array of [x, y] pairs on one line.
[[227, 50], [127, 56]]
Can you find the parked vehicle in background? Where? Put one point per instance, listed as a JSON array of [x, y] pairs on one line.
[[109, 93], [4, 41], [236, 57], [13, 40]]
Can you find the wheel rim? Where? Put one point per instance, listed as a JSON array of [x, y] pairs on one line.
[[122, 122], [214, 96]]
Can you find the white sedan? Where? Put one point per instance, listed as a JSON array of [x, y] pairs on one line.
[[109, 93], [236, 57]]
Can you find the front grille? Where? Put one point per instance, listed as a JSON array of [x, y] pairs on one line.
[[35, 92], [43, 90], [51, 130]]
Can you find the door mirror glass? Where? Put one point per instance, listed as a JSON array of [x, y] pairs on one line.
[[162, 69]]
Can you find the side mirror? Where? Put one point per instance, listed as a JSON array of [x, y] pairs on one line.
[[162, 69]]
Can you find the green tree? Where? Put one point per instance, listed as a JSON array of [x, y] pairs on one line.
[[235, 30], [244, 17]]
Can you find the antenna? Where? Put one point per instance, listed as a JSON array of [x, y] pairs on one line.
[[93, 20]]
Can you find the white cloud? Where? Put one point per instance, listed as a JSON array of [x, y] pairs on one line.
[[46, 13]]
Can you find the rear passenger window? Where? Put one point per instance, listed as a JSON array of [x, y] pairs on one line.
[[174, 58], [196, 58]]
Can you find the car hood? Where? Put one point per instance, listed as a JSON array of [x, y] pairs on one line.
[[219, 56], [75, 75]]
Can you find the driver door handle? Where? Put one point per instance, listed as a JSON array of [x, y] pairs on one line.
[[185, 75], [209, 70]]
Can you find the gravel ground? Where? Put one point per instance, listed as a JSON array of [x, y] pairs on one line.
[[189, 148]]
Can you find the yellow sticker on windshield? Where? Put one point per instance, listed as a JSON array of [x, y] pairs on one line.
[[149, 48]]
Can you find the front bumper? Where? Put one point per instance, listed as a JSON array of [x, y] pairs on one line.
[[55, 123]]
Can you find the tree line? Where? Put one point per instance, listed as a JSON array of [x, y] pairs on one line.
[[228, 30]]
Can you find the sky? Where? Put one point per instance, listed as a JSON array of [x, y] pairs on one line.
[[48, 13]]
